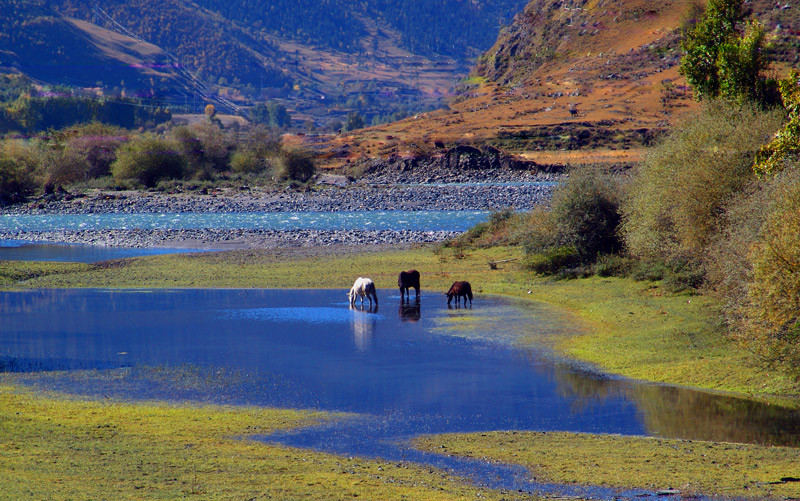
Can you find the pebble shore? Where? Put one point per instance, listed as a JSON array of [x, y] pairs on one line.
[[331, 193]]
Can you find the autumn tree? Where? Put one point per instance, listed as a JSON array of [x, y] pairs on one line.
[[724, 59]]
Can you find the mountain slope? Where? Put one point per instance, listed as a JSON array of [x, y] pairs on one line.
[[322, 57], [574, 81]]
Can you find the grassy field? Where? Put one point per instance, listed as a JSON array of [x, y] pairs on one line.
[[58, 448], [89, 449], [732, 470]]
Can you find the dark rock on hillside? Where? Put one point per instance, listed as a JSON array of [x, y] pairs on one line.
[[460, 164]]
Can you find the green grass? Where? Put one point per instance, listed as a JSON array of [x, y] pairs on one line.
[[59, 448], [709, 468]]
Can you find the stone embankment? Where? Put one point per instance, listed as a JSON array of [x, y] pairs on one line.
[[394, 184]]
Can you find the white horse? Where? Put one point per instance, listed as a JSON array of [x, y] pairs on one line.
[[363, 287]]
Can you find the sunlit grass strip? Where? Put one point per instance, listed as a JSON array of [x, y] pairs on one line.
[[624, 327], [58, 448], [654, 464]]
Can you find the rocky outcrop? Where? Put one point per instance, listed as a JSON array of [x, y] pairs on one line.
[[460, 164]]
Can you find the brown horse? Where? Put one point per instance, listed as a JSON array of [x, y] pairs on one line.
[[459, 290], [406, 281]]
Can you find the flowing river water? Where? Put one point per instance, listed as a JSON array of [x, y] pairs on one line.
[[401, 369]]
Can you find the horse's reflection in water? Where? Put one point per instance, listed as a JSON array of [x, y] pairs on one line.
[[459, 307], [363, 324], [410, 312]]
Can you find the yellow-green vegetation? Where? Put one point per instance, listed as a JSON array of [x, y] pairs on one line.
[[733, 470], [58, 448], [625, 327], [13, 272]]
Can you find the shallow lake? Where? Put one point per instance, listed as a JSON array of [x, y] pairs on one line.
[[404, 369]]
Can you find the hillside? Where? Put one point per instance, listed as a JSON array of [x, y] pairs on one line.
[[571, 81], [323, 58]]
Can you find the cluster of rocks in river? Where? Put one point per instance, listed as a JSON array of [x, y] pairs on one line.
[[394, 184]]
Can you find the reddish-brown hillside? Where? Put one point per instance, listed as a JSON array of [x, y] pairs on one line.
[[571, 81]]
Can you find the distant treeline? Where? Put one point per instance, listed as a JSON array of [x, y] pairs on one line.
[[27, 109], [36, 114]]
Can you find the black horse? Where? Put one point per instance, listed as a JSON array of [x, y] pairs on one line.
[[406, 281]]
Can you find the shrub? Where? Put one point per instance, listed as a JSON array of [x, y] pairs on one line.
[[148, 159], [247, 162], [294, 165], [18, 162], [205, 147], [66, 166], [553, 259], [584, 218], [613, 265], [679, 192], [495, 231], [764, 301]]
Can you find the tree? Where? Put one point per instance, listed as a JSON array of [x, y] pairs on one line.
[[682, 188], [210, 111], [354, 121], [721, 60], [772, 156], [272, 114]]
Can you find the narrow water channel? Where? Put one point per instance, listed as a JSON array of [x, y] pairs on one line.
[[403, 369]]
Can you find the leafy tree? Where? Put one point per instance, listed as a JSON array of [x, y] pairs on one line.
[[354, 121], [210, 111], [772, 156], [272, 114], [721, 61]]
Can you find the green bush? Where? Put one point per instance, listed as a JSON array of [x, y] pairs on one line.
[[679, 192], [18, 162], [205, 147], [148, 159], [247, 162], [294, 165], [584, 218], [553, 259], [613, 265], [495, 231]]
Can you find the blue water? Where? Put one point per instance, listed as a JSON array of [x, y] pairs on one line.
[[403, 369], [20, 250], [363, 220]]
